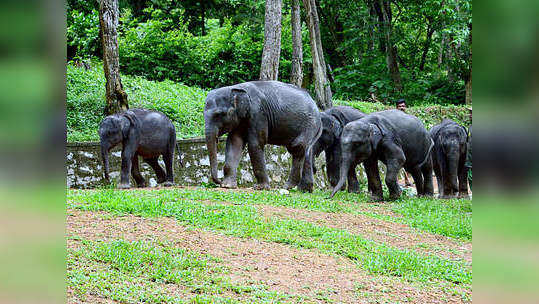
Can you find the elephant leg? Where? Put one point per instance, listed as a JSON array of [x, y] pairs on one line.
[[135, 172], [298, 159], [353, 183], [256, 153], [395, 159], [307, 176], [234, 148], [127, 158], [439, 179], [168, 158], [463, 180], [333, 166], [447, 184], [159, 172], [393, 167], [426, 171], [418, 180], [373, 179]]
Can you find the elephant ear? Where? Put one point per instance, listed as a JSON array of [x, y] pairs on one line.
[[130, 126], [465, 131], [240, 100], [375, 136]]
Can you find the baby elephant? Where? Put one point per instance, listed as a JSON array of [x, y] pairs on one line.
[[395, 138], [449, 158], [333, 122], [142, 132]]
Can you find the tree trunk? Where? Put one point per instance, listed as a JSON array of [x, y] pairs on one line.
[[469, 89], [321, 83], [269, 69], [391, 50], [426, 46], [296, 75], [116, 98], [469, 76], [203, 21]]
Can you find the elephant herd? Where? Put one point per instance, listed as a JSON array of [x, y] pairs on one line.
[[257, 113]]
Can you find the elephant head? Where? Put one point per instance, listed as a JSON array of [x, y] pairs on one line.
[[329, 142], [224, 110], [115, 129], [359, 141], [451, 147]]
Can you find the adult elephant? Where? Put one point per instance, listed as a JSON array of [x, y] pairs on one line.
[[395, 138], [144, 133], [449, 158], [333, 122], [257, 113]]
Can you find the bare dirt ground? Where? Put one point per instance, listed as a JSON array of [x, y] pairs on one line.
[[281, 267]]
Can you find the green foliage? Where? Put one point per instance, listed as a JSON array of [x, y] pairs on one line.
[[83, 32]]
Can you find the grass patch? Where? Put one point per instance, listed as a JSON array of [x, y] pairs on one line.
[[452, 218], [140, 271], [245, 221]]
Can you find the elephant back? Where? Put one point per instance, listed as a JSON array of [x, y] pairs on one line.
[[408, 132]]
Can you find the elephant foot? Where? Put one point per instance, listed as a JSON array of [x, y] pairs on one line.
[[393, 197], [229, 183], [290, 185], [306, 187], [161, 180], [464, 196], [376, 198], [142, 185], [353, 189], [168, 184], [124, 186], [263, 186]]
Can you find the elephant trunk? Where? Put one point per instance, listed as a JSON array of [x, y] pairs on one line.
[[452, 173], [211, 143], [105, 158], [344, 167]]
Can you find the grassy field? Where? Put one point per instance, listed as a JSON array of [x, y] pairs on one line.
[[206, 245], [184, 105]]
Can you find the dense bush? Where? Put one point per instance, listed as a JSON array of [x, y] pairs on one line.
[[359, 81], [184, 105]]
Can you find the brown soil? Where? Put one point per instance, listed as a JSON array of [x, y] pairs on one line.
[[282, 268]]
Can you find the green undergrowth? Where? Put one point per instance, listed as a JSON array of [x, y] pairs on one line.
[[184, 105], [245, 221], [154, 272]]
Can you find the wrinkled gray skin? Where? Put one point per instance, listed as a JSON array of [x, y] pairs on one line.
[[144, 133], [395, 138], [257, 113], [333, 122], [449, 158]]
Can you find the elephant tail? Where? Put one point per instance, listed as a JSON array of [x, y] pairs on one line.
[[427, 156], [179, 154]]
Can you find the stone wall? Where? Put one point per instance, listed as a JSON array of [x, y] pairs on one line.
[[85, 167]]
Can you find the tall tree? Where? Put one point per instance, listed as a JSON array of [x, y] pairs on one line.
[[269, 69], [321, 82], [116, 98], [296, 75], [391, 49]]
